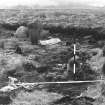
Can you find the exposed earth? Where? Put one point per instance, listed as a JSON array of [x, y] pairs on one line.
[[28, 62]]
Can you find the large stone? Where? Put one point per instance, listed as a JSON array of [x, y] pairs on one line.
[[21, 32], [97, 60], [93, 91]]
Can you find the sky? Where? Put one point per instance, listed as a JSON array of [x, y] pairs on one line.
[[5, 3]]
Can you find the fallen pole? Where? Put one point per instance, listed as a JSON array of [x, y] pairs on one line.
[[61, 82], [27, 85]]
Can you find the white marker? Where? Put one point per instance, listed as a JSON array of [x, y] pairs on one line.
[[74, 57], [74, 68], [74, 49]]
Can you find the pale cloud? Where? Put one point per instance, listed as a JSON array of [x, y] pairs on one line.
[[89, 2], [4, 3]]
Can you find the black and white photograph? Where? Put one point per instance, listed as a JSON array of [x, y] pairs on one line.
[[52, 52]]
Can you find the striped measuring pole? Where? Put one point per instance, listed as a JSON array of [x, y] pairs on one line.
[[74, 68]]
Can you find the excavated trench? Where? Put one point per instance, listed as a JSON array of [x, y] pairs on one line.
[[87, 39]]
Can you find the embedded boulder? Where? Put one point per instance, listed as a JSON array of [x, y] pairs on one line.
[[21, 32]]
